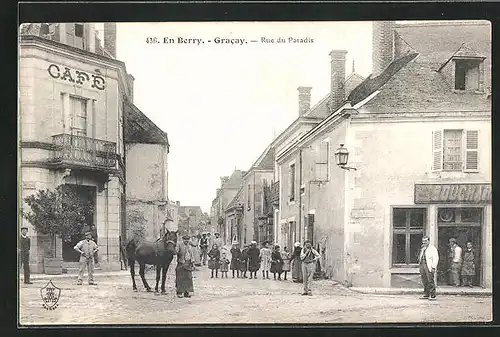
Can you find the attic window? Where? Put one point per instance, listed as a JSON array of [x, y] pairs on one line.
[[78, 30], [467, 74], [44, 29]]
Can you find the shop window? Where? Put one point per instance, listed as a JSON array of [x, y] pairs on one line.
[[455, 150], [408, 229]]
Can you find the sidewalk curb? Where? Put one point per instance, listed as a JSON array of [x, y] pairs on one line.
[[396, 291]]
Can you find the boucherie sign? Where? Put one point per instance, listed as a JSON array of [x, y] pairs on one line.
[[452, 193], [76, 76]]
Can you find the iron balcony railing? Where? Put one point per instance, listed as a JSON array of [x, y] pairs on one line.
[[84, 151], [275, 193]]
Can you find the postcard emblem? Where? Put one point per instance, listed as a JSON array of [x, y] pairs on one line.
[[50, 295]]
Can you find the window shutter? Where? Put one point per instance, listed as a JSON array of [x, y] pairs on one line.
[[323, 152], [471, 150], [437, 150]]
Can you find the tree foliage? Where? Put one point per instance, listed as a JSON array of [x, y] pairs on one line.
[[61, 212], [136, 225]]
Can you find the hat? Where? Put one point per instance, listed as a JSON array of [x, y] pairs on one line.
[[297, 244], [24, 227], [253, 242], [307, 241], [185, 237], [88, 233], [235, 242]]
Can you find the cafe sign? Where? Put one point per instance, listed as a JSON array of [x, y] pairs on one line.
[[452, 193], [76, 76]]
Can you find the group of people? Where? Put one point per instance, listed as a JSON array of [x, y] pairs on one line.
[[302, 262], [87, 248], [461, 264]]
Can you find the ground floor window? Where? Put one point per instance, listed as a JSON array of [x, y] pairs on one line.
[[408, 226]]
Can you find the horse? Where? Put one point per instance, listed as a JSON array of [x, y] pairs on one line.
[[159, 253]]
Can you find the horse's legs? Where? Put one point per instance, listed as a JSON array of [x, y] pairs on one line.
[[158, 269], [132, 273], [164, 276], [142, 267]]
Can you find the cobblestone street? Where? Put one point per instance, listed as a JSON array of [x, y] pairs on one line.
[[112, 301]]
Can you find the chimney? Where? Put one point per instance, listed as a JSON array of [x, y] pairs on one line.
[[110, 38], [131, 85], [304, 99], [337, 89], [178, 203], [383, 46]]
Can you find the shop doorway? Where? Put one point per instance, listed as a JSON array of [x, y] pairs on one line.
[[463, 224], [87, 194]]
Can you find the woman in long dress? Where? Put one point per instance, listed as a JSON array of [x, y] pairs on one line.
[[265, 260], [276, 262], [235, 259], [253, 259], [285, 255], [296, 264], [194, 242], [468, 266]]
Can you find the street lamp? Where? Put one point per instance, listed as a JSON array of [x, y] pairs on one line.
[[341, 157]]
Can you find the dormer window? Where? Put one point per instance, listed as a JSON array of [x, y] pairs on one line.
[[79, 30], [467, 74], [464, 70], [44, 29]]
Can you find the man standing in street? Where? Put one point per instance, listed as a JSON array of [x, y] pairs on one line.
[[87, 248], [456, 262], [184, 269], [25, 254], [203, 248], [428, 260], [308, 256]]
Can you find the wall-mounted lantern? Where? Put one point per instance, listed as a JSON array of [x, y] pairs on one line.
[[341, 158]]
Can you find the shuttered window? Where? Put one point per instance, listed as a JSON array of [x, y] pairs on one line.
[[291, 184], [455, 150], [471, 150], [437, 150], [322, 161]]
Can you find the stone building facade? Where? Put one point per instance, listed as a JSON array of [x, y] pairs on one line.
[[419, 135], [72, 92]]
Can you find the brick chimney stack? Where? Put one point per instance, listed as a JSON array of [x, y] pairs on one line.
[[110, 38], [337, 89], [383, 46], [304, 99]]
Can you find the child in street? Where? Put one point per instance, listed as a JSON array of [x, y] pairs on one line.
[[224, 265], [285, 255], [214, 259]]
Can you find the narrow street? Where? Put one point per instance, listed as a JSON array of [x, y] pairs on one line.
[[223, 301]]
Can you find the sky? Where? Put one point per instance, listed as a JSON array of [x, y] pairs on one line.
[[222, 104]]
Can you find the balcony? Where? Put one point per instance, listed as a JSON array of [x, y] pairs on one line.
[[83, 152], [275, 193]]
